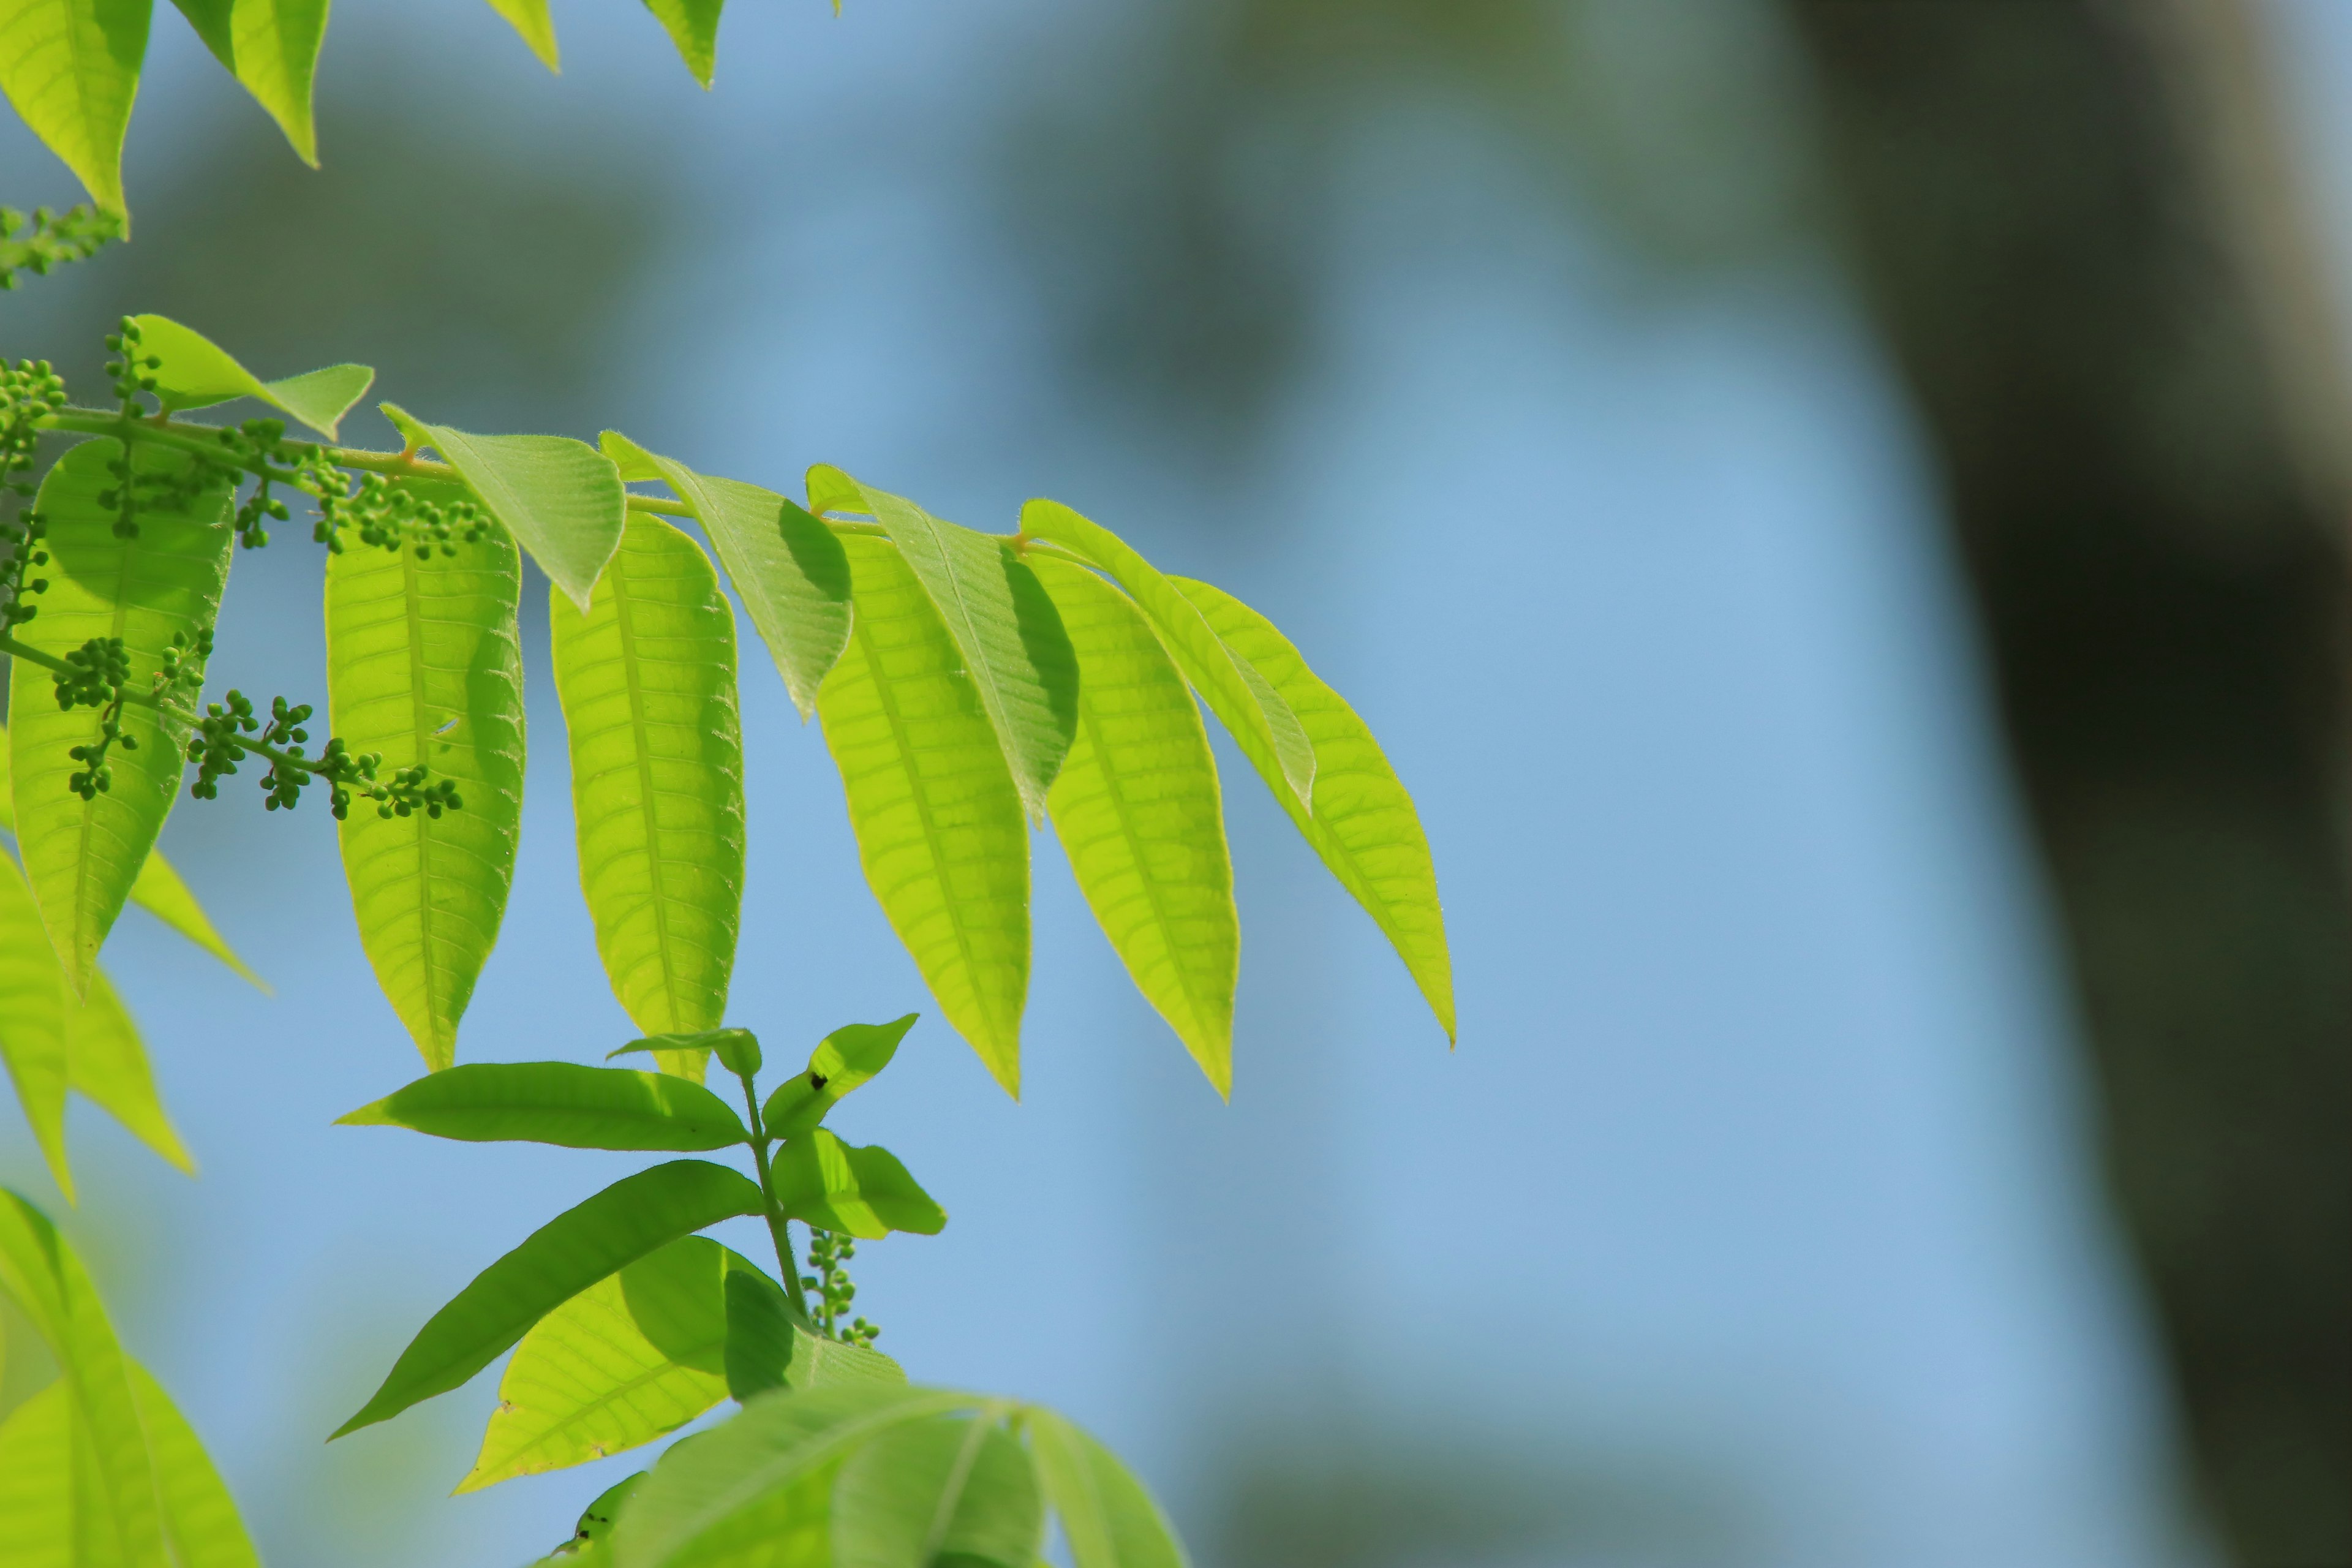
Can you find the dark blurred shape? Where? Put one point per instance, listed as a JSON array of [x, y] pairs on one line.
[[2076, 224]]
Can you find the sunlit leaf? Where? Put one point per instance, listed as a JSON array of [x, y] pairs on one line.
[[791, 572], [861, 1192], [646, 678], [107, 1061], [37, 1482], [620, 1225], [559, 1102], [846, 1059], [938, 819], [530, 18], [1015, 651], [1244, 700], [71, 68], [197, 373], [561, 498], [693, 27], [1138, 811], [200, 1518], [423, 667], [34, 1042], [271, 46], [1108, 1516], [1364, 826], [82, 857], [942, 1487], [768, 1348]]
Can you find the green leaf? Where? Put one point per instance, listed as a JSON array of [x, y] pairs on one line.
[[861, 1192], [1107, 1515], [197, 373], [1139, 816], [938, 819], [846, 1059], [738, 1050], [71, 68], [755, 1489], [82, 857], [562, 1103], [581, 1246], [1014, 649], [1244, 700], [37, 1482], [766, 1349], [596, 1521], [560, 499], [647, 682], [530, 18], [638, 1353], [791, 571], [199, 1516], [423, 666], [1363, 826], [107, 1061], [693, 27], [271, 46], [946, 1486]]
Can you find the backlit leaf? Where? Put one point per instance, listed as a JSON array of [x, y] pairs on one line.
[[935, 1487], [861, 1192], [1108, 1516], [530, 18], [620, 1225], [938, 819], [561, 498], [1242, 697], [558, 1102], [693, 27], [647, 682], [1363, 826], [200, 1518], [1139, 814], [271, 46], [82, 857], [846, 1059], [423, 667], [107, 1061], [789, 570], [1015, 651], [37, 1482], [197, 373], [71, 68]]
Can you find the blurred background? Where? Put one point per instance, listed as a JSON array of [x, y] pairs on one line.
[[1836, 511]]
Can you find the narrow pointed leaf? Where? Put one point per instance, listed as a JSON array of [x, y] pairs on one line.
[[530, 18], [620, 1225], [423, 667], [640, 1352], [34, 1043], [1108, 1516], [768, 1349], [791, 572], [1014, 649], [561, 498], [200, 1518], [82, 857], [37, 1482], [938, 819], [197, 372], [943, 1488], [647, 682], [272, 48], [107, 1061], [861, 1192], [846, 1059], [562, 1103], [1139, 814], [71, 68], [1364, 826], [1244, 700], [693, 27]]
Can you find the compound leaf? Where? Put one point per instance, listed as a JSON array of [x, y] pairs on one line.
[[561, 498], [71, 68], [620, 1225], [647, 682], [1139, 814], [530, 18], [562, 1103], [1014, 649], [423, 666], [272, 48], [791, 571], [1363, 825], [938, 818], [197, 372], [846, 1059], [1107, 1515], [861, 1192], [82, 857], [952, 1486], [693, 27]]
